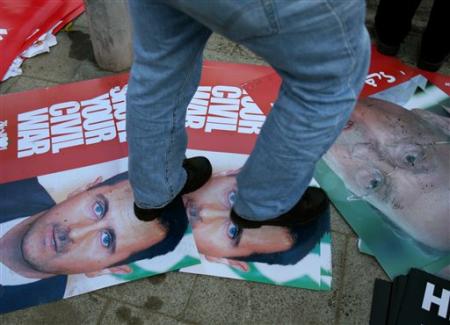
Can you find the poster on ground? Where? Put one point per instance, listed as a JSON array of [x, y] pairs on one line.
[[389, 171], [391, 180], [66, 224], [299, 256], [223, 121]]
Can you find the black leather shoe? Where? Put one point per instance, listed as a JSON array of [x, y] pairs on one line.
[[198, 170], [434, 51], [310, 206], [386, 49], [423, 64], [392, 23], [147, 214], [435, 46]]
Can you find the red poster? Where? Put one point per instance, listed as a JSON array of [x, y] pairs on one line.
[[384, 72], [79, 124], [23, 21], [62, 147]]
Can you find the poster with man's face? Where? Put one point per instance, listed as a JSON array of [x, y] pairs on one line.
[[75, 230], [298, 256], [67, 224], [393, 158], [388, 173], [66, 216]]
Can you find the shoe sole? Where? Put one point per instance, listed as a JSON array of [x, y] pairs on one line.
[[294, 216]]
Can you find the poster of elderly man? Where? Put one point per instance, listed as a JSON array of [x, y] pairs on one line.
[[388, 173], [396, 175]]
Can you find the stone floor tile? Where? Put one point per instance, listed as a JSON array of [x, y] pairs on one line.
[[27, 83], [357, 287], [84, 309], [338, 249], [81, 45], [268, 304], [282, 305], [120, 313], [58, 66], [219, 43], [219, 48], [339, 224], [167, 293], [244, 52], [218, 300], [90, 70], [81, 21], [81, 49], [231, 57], [7, 84]]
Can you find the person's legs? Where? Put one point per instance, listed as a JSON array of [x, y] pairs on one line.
[[435, 46], [393, 22], [321, 50], [168, 48]]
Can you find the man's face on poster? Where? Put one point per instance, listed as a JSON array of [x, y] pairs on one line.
[[87, 232], [208, 210], [400, 163]]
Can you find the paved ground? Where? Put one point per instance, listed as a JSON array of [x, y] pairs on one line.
[[176, 298]]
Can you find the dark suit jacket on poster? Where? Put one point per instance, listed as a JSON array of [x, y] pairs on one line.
[[22, 199]]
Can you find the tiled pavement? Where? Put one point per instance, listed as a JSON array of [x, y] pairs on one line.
[[177, 298]]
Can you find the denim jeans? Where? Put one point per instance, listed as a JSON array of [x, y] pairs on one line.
[[320, 48]]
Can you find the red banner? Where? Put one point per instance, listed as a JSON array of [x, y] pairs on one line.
[[80, 124], [385, 72], [22, 22], [74, 125]]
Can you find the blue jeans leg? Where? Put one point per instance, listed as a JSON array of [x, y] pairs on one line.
[[321, 50], [166, 70], [322, 53]]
